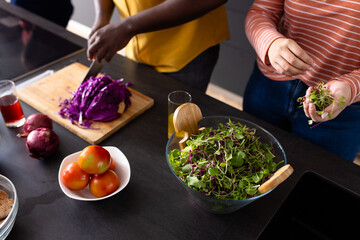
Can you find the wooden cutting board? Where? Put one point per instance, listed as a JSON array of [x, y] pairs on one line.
[[44, 96]]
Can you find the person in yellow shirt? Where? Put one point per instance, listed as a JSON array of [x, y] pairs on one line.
[[179, 38]]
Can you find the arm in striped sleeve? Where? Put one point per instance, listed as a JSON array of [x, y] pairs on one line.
[[261, 25], [353, 79]]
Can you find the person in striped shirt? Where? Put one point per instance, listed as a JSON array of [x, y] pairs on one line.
[[300, 44]]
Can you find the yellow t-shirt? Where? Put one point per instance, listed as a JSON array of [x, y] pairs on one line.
[[171, 49]]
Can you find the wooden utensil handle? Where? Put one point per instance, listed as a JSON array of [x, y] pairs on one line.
[[186, 118], [279, 176]]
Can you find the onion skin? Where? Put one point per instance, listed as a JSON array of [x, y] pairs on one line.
[[42, 142], [37, 120]]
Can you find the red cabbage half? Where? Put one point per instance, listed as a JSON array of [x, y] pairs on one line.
[[99, 99]]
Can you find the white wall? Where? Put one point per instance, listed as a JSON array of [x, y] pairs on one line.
[[84, 12]]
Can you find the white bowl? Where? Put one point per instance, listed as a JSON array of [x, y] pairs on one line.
[[8, 223], [122, 169]]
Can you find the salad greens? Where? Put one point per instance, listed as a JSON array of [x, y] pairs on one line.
[[322, 98], [227, 162]]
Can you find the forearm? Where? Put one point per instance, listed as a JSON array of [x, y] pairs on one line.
[[261, 25], [103, 10], [353, 79], [170, 13]]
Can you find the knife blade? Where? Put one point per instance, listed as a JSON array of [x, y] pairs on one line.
[[94, 69]]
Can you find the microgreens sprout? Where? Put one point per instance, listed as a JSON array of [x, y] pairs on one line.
[[321, 97], [228, 162]]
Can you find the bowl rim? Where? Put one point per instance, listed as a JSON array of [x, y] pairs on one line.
[[120, 161], [219, 199], [10, 218]]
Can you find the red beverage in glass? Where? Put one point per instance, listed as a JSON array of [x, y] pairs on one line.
[[11, 109], [10, 105]]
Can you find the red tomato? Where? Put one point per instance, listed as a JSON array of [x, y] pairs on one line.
[[112, 164], [74, 177], [104, 184], [94, 159]]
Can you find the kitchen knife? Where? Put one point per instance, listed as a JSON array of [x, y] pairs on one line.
[[94, 69]]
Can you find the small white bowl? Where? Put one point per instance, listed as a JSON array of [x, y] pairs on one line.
[[8, 223], [122, 169]]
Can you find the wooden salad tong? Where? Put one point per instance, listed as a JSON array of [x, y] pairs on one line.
[[186, 118]]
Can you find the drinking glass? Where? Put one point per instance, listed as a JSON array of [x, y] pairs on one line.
[[10, 105], [175, 99]]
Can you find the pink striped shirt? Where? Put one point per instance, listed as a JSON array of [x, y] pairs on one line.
[[328, 30]]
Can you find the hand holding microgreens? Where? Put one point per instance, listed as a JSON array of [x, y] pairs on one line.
[[321, 97], [227, 162]]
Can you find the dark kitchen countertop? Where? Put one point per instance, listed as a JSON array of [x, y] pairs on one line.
[[153, 205]]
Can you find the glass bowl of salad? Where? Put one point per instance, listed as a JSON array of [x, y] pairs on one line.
[[223, 166]]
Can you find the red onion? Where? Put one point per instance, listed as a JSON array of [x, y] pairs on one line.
[[42, 142], [37, 120]]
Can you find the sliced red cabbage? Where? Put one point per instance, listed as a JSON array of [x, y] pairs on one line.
[[97, 99]]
